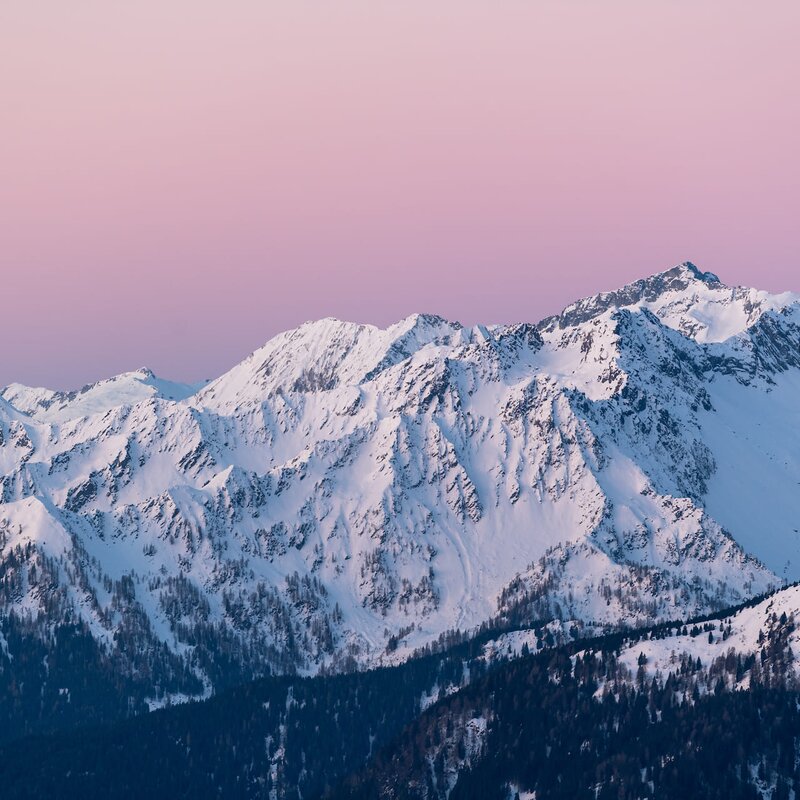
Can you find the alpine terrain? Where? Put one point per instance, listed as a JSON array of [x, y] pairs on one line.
[[347, 495]]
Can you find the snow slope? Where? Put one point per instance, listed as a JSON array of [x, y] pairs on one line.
[[765, 630]]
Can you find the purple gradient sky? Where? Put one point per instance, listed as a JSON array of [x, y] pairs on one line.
[[181, 179]]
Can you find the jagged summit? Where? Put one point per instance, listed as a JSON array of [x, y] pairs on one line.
[[688, 266], [685, 298], [678, 279], [324, 355], [675, 278]]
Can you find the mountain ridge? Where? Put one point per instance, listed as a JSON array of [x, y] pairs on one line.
[[650, 288]]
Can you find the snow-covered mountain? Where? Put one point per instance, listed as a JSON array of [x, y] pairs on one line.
[[347, 489]]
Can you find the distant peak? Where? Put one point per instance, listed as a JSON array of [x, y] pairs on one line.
[[145, 373], [672, 281], [687, 271], [424, 324], [426, 319], [328, 322]]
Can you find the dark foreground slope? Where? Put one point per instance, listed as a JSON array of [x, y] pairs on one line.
[[569, 722], [703, 710], [547, 733], [296, 736]]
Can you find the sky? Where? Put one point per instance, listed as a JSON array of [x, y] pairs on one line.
[[182, 179]]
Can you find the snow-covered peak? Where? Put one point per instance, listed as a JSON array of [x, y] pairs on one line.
[[693, 302], [323, 355], [29, 400], [129, 388]]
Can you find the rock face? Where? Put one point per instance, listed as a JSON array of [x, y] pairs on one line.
[[632, 459]]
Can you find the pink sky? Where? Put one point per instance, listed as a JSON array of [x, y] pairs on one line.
[[181, 179]]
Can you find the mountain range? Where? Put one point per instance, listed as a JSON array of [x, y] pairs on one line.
[[348, 495]]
